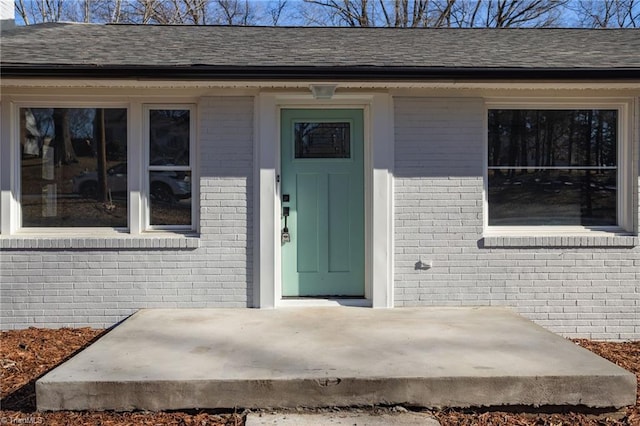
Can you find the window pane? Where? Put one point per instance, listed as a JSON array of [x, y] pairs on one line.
[[73, 167], [169, 137], [322, 140], [521, 138], [552, 197], [170, 197]]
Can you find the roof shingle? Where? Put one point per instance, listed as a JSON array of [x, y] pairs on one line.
[[149, 46]]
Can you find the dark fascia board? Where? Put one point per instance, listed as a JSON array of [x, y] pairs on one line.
[[365, 73]]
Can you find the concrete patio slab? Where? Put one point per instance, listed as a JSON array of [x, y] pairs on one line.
[[163, 359]]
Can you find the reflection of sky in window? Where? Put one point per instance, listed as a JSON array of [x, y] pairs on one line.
[[80, 120]]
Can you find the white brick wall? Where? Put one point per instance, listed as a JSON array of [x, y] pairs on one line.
[[589, 292], [99, 287]]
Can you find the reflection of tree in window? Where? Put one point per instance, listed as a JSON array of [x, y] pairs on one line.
[[169, 137], [557, 166], [322, 140], [64, 146], [169, 168]]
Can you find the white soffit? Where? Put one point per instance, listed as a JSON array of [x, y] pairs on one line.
[[266, 85]]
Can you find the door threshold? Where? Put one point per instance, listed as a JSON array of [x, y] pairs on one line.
[[295, 302]]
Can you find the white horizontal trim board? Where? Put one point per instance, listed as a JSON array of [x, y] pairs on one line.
[[130, 242], [552, 167], [239, 85], [560, 241]]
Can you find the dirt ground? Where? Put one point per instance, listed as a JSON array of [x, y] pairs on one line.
[[26, 355]]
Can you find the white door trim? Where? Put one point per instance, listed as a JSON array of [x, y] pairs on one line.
[[379, 160]]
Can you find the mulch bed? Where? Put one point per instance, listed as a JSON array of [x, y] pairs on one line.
[[25, 355]]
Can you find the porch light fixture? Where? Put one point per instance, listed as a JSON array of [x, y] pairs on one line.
[[323, 91]]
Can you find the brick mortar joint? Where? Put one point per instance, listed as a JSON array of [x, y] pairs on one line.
[[560, 241], [186, 242]]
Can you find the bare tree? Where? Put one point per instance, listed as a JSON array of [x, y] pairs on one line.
[[180, 12], [354, 13], [195, 11], [34, 12], [166, 12], [144, 12], [609, 13], [50, 10], [401, 16], [510, 13], [22, 12], [444, 13], [39, 11], [117, 10], [106, 11], [416, 13], [275, 10], [234, 12], [64, 153], [82, 11], [506, 13]]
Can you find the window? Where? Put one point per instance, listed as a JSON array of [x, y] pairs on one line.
[[170, 137], [73, 167], [322, 140], [554, 167], [112, 166]]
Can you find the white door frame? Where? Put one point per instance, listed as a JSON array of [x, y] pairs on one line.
[[379, 159]]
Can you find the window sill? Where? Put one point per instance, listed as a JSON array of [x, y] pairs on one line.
[[567, 240], [151, 241]]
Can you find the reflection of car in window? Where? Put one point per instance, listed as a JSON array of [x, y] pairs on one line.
[[165, 186]]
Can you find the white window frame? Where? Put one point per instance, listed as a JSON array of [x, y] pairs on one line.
[[625, 158], [137, 181], [17, 177], [146, 203]]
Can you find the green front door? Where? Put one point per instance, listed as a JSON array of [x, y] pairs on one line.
[[322, 160]]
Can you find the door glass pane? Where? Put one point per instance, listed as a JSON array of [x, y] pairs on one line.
[[322, 140]]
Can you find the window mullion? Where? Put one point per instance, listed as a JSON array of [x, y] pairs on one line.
[[135, 157]]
